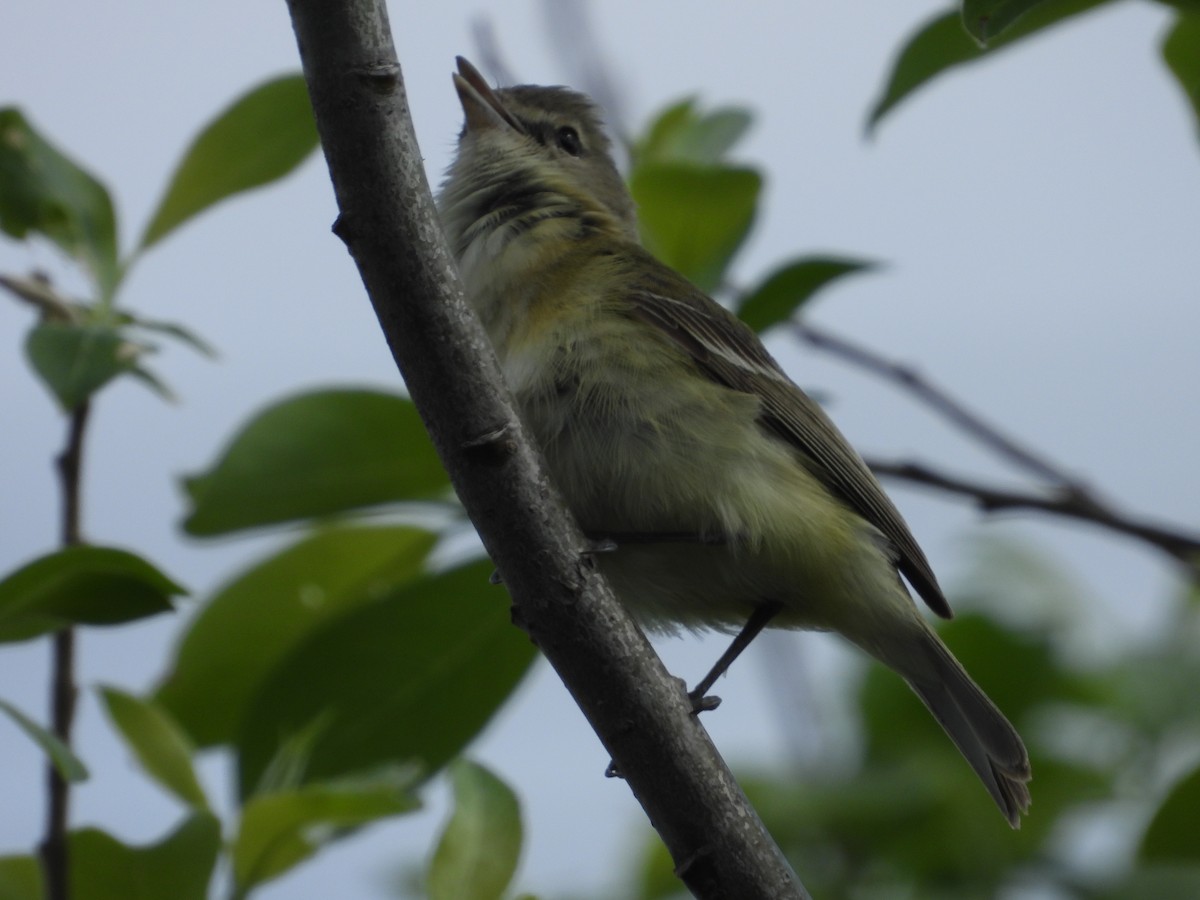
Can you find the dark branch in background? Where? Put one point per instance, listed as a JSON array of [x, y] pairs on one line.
[[1065, 496], [937, 398], [491, 60], [388, 222], [573, 40], [1180, 547], [63, 690]]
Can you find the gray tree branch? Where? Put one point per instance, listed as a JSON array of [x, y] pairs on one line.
[[1066, 496], [389, 224]]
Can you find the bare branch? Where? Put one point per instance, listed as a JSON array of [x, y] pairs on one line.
[[64, 692], [940, 400], [1182, 547], [38, 292], [1067, 497], [491, 59], [390, 226]]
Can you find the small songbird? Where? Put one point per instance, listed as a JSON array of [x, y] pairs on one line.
[[731, 498]]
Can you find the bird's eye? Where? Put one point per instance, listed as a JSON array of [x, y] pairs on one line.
[[568, 140]]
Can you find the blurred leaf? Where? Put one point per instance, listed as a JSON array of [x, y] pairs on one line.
[[681, 134], [315, 455], [481, 845], [411, 677], [65, 762], [1156, 882], [1174, 833], [790, 286], [279, 830], [656, 878], [156, 384], [44, 192], [21, 878], [985, 19], [256, 620], [170, 329], [286, 770], [159, 743], [81, 586], [179, 867], [262, 137], [941, 44], [77, 359], [1181, 52], [694, 218], [917, 826], [1021, 584]]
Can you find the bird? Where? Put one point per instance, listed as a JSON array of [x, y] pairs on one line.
[[725, 495]]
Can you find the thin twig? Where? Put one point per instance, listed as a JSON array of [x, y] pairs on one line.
[[491, 59], [940, 400], [63, 690], [37, 291], [1067, 496], [1182, 547]]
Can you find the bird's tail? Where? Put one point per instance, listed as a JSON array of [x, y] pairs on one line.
[[979, 730]]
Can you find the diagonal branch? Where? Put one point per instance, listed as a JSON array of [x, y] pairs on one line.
[[940, 401], [1179, 546], [388, 222], [1068, 497]]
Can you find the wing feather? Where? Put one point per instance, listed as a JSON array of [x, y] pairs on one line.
[[731, 354]]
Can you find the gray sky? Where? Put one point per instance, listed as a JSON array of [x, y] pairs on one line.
[[1038, 216]]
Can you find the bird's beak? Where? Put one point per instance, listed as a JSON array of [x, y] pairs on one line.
[[482, 108]]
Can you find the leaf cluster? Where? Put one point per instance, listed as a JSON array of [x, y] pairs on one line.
[[339, 673]]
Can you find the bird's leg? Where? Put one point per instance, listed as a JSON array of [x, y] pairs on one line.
[[763, 613]]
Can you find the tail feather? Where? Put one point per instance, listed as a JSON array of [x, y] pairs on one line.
[[978, 729]]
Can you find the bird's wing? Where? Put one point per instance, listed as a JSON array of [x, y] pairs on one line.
[[731, 354]]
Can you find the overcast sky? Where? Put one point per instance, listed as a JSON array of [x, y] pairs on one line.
[[1038, 215]]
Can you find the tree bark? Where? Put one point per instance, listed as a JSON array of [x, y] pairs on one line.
[[389, 223]]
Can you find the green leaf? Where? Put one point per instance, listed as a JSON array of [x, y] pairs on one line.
[[256, 620], [279, 830], [259, 139], [986, 19], [287, 768], [65, 762], [792, 285], [411, 677], [1181, 52], [44, 192], [154, 383], [81, 586], [1162, 882], [179, 867], [173, 330], [21, 878], [313, 455], [941, 44], [77, 359], [694, 218], [681, 134], [159, 743], [481, 845], [1171, 836]]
